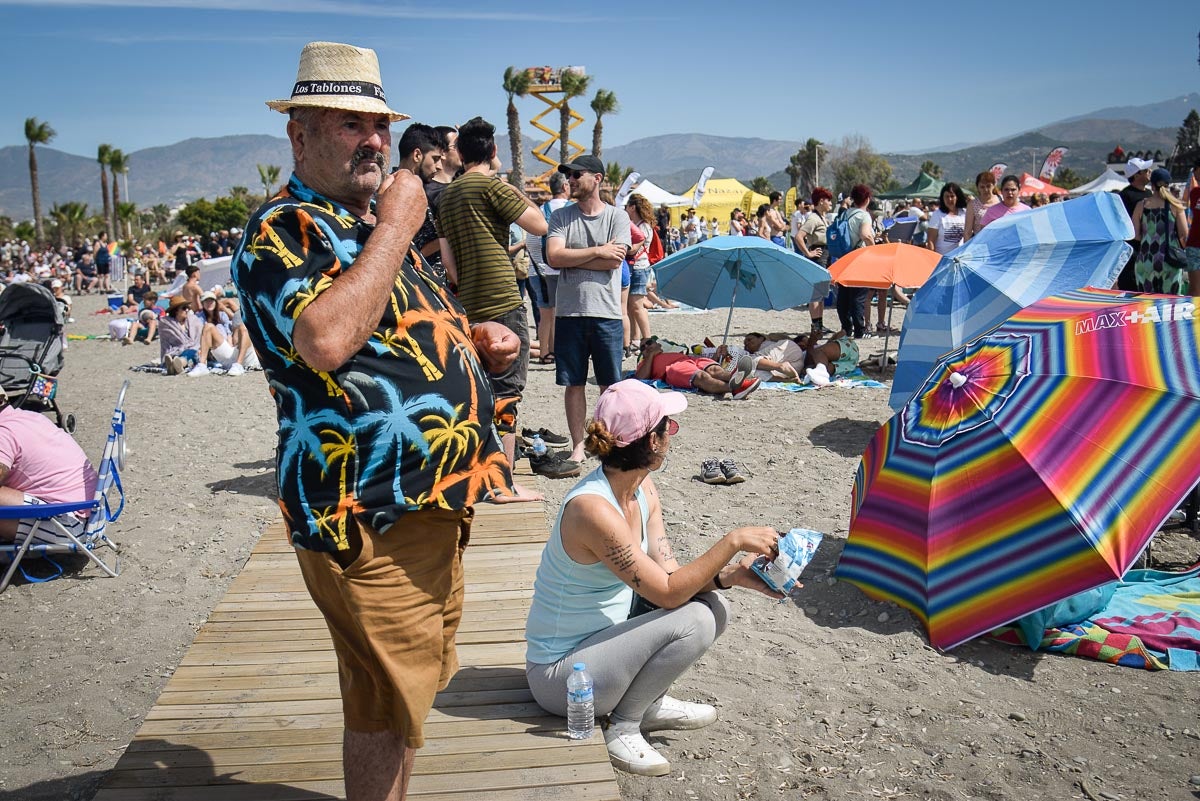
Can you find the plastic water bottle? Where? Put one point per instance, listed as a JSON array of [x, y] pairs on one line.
[[539, 446], [581, 711]]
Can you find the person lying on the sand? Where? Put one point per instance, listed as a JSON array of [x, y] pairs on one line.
[[776, 357], [687, 371], [783, 359], [610, 593]]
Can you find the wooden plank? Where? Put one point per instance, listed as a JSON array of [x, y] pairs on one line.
[[315, 791], [163, 754], [440, 738], [326, 764]]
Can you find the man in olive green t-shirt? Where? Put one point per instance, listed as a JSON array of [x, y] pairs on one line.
[[473, 216]]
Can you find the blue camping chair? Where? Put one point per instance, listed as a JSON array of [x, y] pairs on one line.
[[48, 537]]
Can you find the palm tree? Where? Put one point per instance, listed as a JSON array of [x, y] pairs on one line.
[[268, 175], [516, 84], [103, 154], [37, 133], [242, 193], [72, 219], [762, 186], [127, 213], [605, 102], [118, 164], [795, 169], [573, 85], [615, 174]]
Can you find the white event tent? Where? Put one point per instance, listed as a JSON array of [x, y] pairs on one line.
[[1108, 181], [659, 196]]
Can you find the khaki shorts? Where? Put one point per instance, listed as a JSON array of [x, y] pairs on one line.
[[392, 613]]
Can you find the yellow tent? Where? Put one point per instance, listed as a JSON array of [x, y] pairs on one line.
[[721, 196]]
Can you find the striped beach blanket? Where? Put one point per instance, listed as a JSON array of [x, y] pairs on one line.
[[1152, 623]]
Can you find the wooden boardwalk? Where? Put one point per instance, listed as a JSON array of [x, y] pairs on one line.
[[253, 711]]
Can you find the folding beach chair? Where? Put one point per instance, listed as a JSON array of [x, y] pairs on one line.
[[49, 537], [903, 231]]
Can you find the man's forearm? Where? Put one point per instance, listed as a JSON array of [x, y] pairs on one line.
[[341, 320], [581, 259]]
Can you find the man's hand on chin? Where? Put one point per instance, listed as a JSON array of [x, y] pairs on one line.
[[497, 345]]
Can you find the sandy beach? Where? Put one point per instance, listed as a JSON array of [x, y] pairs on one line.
[[831, 696]]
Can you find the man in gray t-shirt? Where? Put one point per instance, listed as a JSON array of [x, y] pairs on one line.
[[587, 243]]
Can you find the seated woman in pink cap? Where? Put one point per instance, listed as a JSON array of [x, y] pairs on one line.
[[609, 549]]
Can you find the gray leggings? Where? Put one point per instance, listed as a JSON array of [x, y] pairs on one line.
[[634, 663]]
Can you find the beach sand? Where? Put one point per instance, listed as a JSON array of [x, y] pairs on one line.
[[832, 696]]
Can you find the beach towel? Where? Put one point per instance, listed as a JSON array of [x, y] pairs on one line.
[[856, 380], [1152, 622]]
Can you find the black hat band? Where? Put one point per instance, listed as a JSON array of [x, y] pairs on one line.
[[348, 88]]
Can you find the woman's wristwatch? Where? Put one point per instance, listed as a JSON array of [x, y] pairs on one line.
[[717, 581]]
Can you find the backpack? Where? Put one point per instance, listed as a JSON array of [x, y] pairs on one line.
[[837, 236], [655, 252]]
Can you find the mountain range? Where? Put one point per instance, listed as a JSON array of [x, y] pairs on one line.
[[178, 173]]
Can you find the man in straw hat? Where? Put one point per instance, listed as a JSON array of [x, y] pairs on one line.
[[385, 434]]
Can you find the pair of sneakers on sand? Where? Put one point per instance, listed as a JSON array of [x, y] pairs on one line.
[[720, 471], [628, 749]]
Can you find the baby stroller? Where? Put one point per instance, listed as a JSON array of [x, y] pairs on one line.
[[31, 350]]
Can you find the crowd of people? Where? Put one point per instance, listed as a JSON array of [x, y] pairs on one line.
[[431, 324]]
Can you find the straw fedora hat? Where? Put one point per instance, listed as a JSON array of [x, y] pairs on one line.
[[341, 76]]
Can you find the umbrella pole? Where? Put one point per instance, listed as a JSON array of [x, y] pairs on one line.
[[737, 274], [887, 332]]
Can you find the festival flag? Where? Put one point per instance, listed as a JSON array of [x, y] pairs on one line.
[[1050, 165], [998, 170], [700, 185], [789, 202], [627, 186]]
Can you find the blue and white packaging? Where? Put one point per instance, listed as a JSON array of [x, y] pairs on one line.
[[796, 549]]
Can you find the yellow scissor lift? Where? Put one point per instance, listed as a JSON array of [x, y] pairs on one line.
[[545, 84]]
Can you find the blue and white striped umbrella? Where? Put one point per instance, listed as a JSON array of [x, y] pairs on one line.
[[746, 271], [1013, 263]]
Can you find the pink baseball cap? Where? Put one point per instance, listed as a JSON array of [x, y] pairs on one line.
[[630, 409]]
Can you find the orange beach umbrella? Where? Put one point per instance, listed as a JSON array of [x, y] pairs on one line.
[[880, 266]]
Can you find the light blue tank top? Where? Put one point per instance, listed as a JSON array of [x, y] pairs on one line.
[[571, 601]]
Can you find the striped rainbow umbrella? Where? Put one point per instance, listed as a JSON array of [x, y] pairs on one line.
[[1034, 463]]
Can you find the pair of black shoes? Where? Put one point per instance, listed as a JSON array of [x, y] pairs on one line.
[[551, 464], [551, 439]]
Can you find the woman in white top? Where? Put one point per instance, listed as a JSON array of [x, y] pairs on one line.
[[947, 224], [714, 227], [985, 198]]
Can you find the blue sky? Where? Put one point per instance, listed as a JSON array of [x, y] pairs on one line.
[[140, 73]]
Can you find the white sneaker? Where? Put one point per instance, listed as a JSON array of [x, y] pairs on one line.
[[199, 369], [630, 752], [671, 713], [235, 369]]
